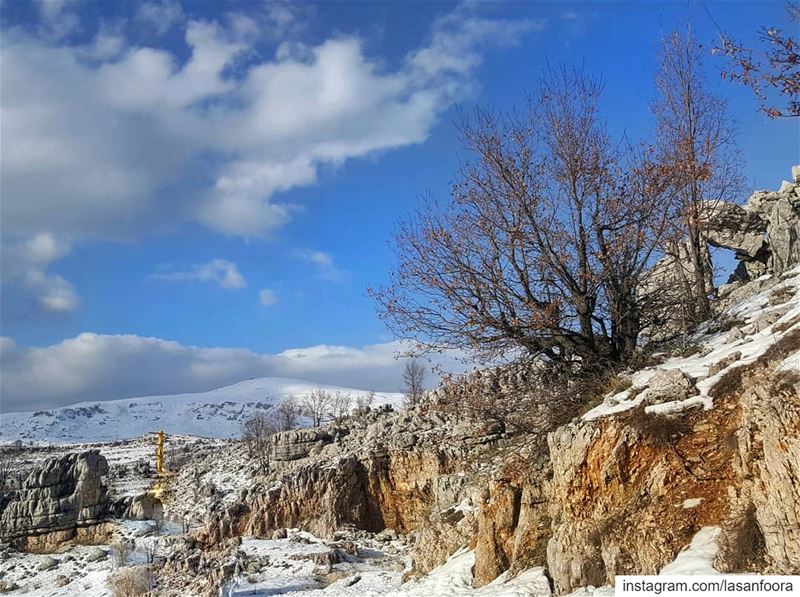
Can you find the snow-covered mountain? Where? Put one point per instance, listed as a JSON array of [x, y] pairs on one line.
[[217, 413]]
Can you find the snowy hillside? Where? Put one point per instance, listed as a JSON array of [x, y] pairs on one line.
[[217, 413]]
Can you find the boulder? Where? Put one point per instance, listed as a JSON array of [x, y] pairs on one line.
[[667, 385], [58, 499], [144, 506]]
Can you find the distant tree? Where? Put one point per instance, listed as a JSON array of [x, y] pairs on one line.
[[6, 468], [340, 405], [287, 413], [317, 406], [413, 382], [257, 429], [543, 247], [776, 67], [365, 401], [10, 473], [698, 156]]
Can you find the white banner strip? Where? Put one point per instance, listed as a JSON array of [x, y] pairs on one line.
[[717, 585]]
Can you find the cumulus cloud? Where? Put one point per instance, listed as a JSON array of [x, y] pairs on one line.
[[267, 297], [218, 271], [106, 367], [323, 264], [111, 149], [26, 265]]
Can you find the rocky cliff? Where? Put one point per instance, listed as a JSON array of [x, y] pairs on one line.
[[707, 436]]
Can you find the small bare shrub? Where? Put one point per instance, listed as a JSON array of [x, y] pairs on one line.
[[785, 382], [662, 429], [120, 552], [413, 383], [619, 384], [781, 295], [132, 581]]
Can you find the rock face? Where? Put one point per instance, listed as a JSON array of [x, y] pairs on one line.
[[62, 500], [768, 460], [765, 233], [408, 472], [621, 485]]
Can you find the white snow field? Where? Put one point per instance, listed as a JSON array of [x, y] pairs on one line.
[[217, 413]]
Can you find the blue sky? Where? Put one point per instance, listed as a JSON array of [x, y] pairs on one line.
[[182, 177]]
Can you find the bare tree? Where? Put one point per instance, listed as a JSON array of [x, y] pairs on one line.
[[5, 470], [121, 551], [287, 413], [545, 241], [697, 154], [8, 459], [317, 406], [775, 68], [365, 402], [257, 429], [413, 382], [159, 523], [340, 405]]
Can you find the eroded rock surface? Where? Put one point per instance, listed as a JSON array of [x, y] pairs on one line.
[[62, 500], [765, 233]]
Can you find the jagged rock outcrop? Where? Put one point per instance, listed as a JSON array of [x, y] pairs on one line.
[[765, 233], [63, 499]]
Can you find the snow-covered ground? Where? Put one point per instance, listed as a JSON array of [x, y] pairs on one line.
[[218, 413], [762, 319], [81, 570], [290, 572]]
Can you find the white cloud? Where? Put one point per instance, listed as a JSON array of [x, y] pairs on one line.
[[104, 367], [26, 265], [218, 271], [110, 150], [57, 20], [161, 16], [323, 263], [267, 297]]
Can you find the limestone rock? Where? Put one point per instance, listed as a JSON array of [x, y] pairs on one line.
[[297, 443], [139, 507], [784, 234], [63, 495], [733, 227], [667, 385]]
